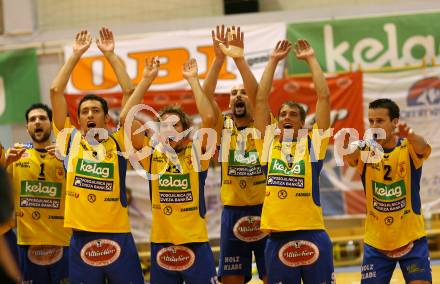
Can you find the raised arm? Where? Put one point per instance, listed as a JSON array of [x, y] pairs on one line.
[[204, 106], [262, 100], [210, 83], [150, 73], [305, 52], [82, 42], [106, 44], [418, 142], [235, 41]]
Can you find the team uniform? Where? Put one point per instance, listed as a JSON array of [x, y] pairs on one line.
[[298, 245], [97, 211], [39, 183], [242, 194], [179, 239], [394, 228]]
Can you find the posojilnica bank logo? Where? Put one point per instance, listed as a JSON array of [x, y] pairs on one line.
[[424, 92]]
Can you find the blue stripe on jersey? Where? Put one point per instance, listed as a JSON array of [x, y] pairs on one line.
[[202, 205], [122, 166], [316, 166], [416, 174]]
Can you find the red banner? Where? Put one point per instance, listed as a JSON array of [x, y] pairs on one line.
[[345, 97]]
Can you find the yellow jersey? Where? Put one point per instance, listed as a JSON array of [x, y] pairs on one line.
[[177, 195], [96, 198], [392, 191], [292, 187], [243, 179], [38, 179]]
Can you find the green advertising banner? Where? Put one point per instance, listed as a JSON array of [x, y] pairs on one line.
[[19, 84], [371, 43]]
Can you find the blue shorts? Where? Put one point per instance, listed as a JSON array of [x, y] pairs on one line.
[[94, 256], [11, 239], [378, 267], [240, 236], [174, 264], [296, 255], [44, 264]]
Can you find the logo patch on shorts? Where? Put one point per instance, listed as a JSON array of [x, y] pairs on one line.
[[247, 229], [400, 251], [100, 252], [298, 253], [44, 255], [175, 258]]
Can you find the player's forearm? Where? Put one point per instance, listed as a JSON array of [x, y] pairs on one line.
[[59, 104], [262, 98], [203, 104], [210, 83], [249, 81], [418, 142], [322, 93], [124, 80], [136, 97]]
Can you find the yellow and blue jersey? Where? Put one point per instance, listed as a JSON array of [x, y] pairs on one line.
[[177, 195], [96, 196], [38, 179], [292, 188], [392, 191], [243, 179]]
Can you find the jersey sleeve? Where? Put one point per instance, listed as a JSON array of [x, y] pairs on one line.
[[320, 140], [63, 142], [416, 158], [119, 136]]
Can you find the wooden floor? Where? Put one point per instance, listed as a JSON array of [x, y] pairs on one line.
[[353, 277]]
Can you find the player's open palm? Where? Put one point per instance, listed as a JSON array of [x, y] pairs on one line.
[[281, 50], [189, 69], [219, 37], [105, 42], [234, 43], [83, 40], [303, 50], [151, 69]]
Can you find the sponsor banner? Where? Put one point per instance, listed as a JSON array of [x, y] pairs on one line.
[[373, 42], [174, 182], [19, 84], [93, 73], [93, 169], [346, 99], [417, 93], [157, 100]]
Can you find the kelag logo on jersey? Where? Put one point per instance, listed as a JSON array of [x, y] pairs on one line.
[[174, 182], [99, 170], [40, 188], [280, 167], [243, 158], [389, 192], [424, 92]]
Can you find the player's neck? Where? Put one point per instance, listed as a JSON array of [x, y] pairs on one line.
[[390, 143], [40, 145], [242, 122]]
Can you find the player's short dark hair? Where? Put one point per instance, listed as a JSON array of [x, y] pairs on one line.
[[92, 97], [302, 112], [177, 110], [390, 105], [39, 106]]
